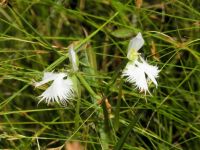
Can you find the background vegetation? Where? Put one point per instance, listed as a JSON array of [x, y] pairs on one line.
[[34, 37]]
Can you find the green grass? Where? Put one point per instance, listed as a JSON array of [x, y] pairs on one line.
[[34, 37]]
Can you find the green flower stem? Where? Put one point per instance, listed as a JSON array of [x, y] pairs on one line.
[[77, 115], [76, 84], [87, 86], [102, 126]]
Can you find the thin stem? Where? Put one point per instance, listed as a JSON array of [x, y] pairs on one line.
[[87, 86]]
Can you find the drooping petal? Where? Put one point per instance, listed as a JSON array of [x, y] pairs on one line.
[[151, 71], [134, 45]]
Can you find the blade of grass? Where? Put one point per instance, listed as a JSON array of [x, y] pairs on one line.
[[122, 140]]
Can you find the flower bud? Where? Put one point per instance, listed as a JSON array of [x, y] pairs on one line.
[[73, 59]]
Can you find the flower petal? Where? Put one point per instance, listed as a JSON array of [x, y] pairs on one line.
[[134, 45], [151, 71], [49, 76]]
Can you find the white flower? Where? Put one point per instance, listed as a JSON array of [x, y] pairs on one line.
[[140, 73], [60, 91], [134, 45], [73, 59]]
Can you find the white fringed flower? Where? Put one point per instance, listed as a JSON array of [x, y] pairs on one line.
[[60, 91], [140, 74], [134, 45], [138, 71]]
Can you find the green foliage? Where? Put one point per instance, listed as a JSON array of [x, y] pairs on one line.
[[34, 37]]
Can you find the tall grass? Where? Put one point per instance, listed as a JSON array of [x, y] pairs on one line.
[[34, 37]]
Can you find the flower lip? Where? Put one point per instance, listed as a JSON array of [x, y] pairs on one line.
[[140, 73], [60, 91]]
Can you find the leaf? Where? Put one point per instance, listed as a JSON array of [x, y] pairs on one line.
[[123, 33]]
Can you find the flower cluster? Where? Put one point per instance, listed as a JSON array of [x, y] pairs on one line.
[[64, 86], [137, 70]]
